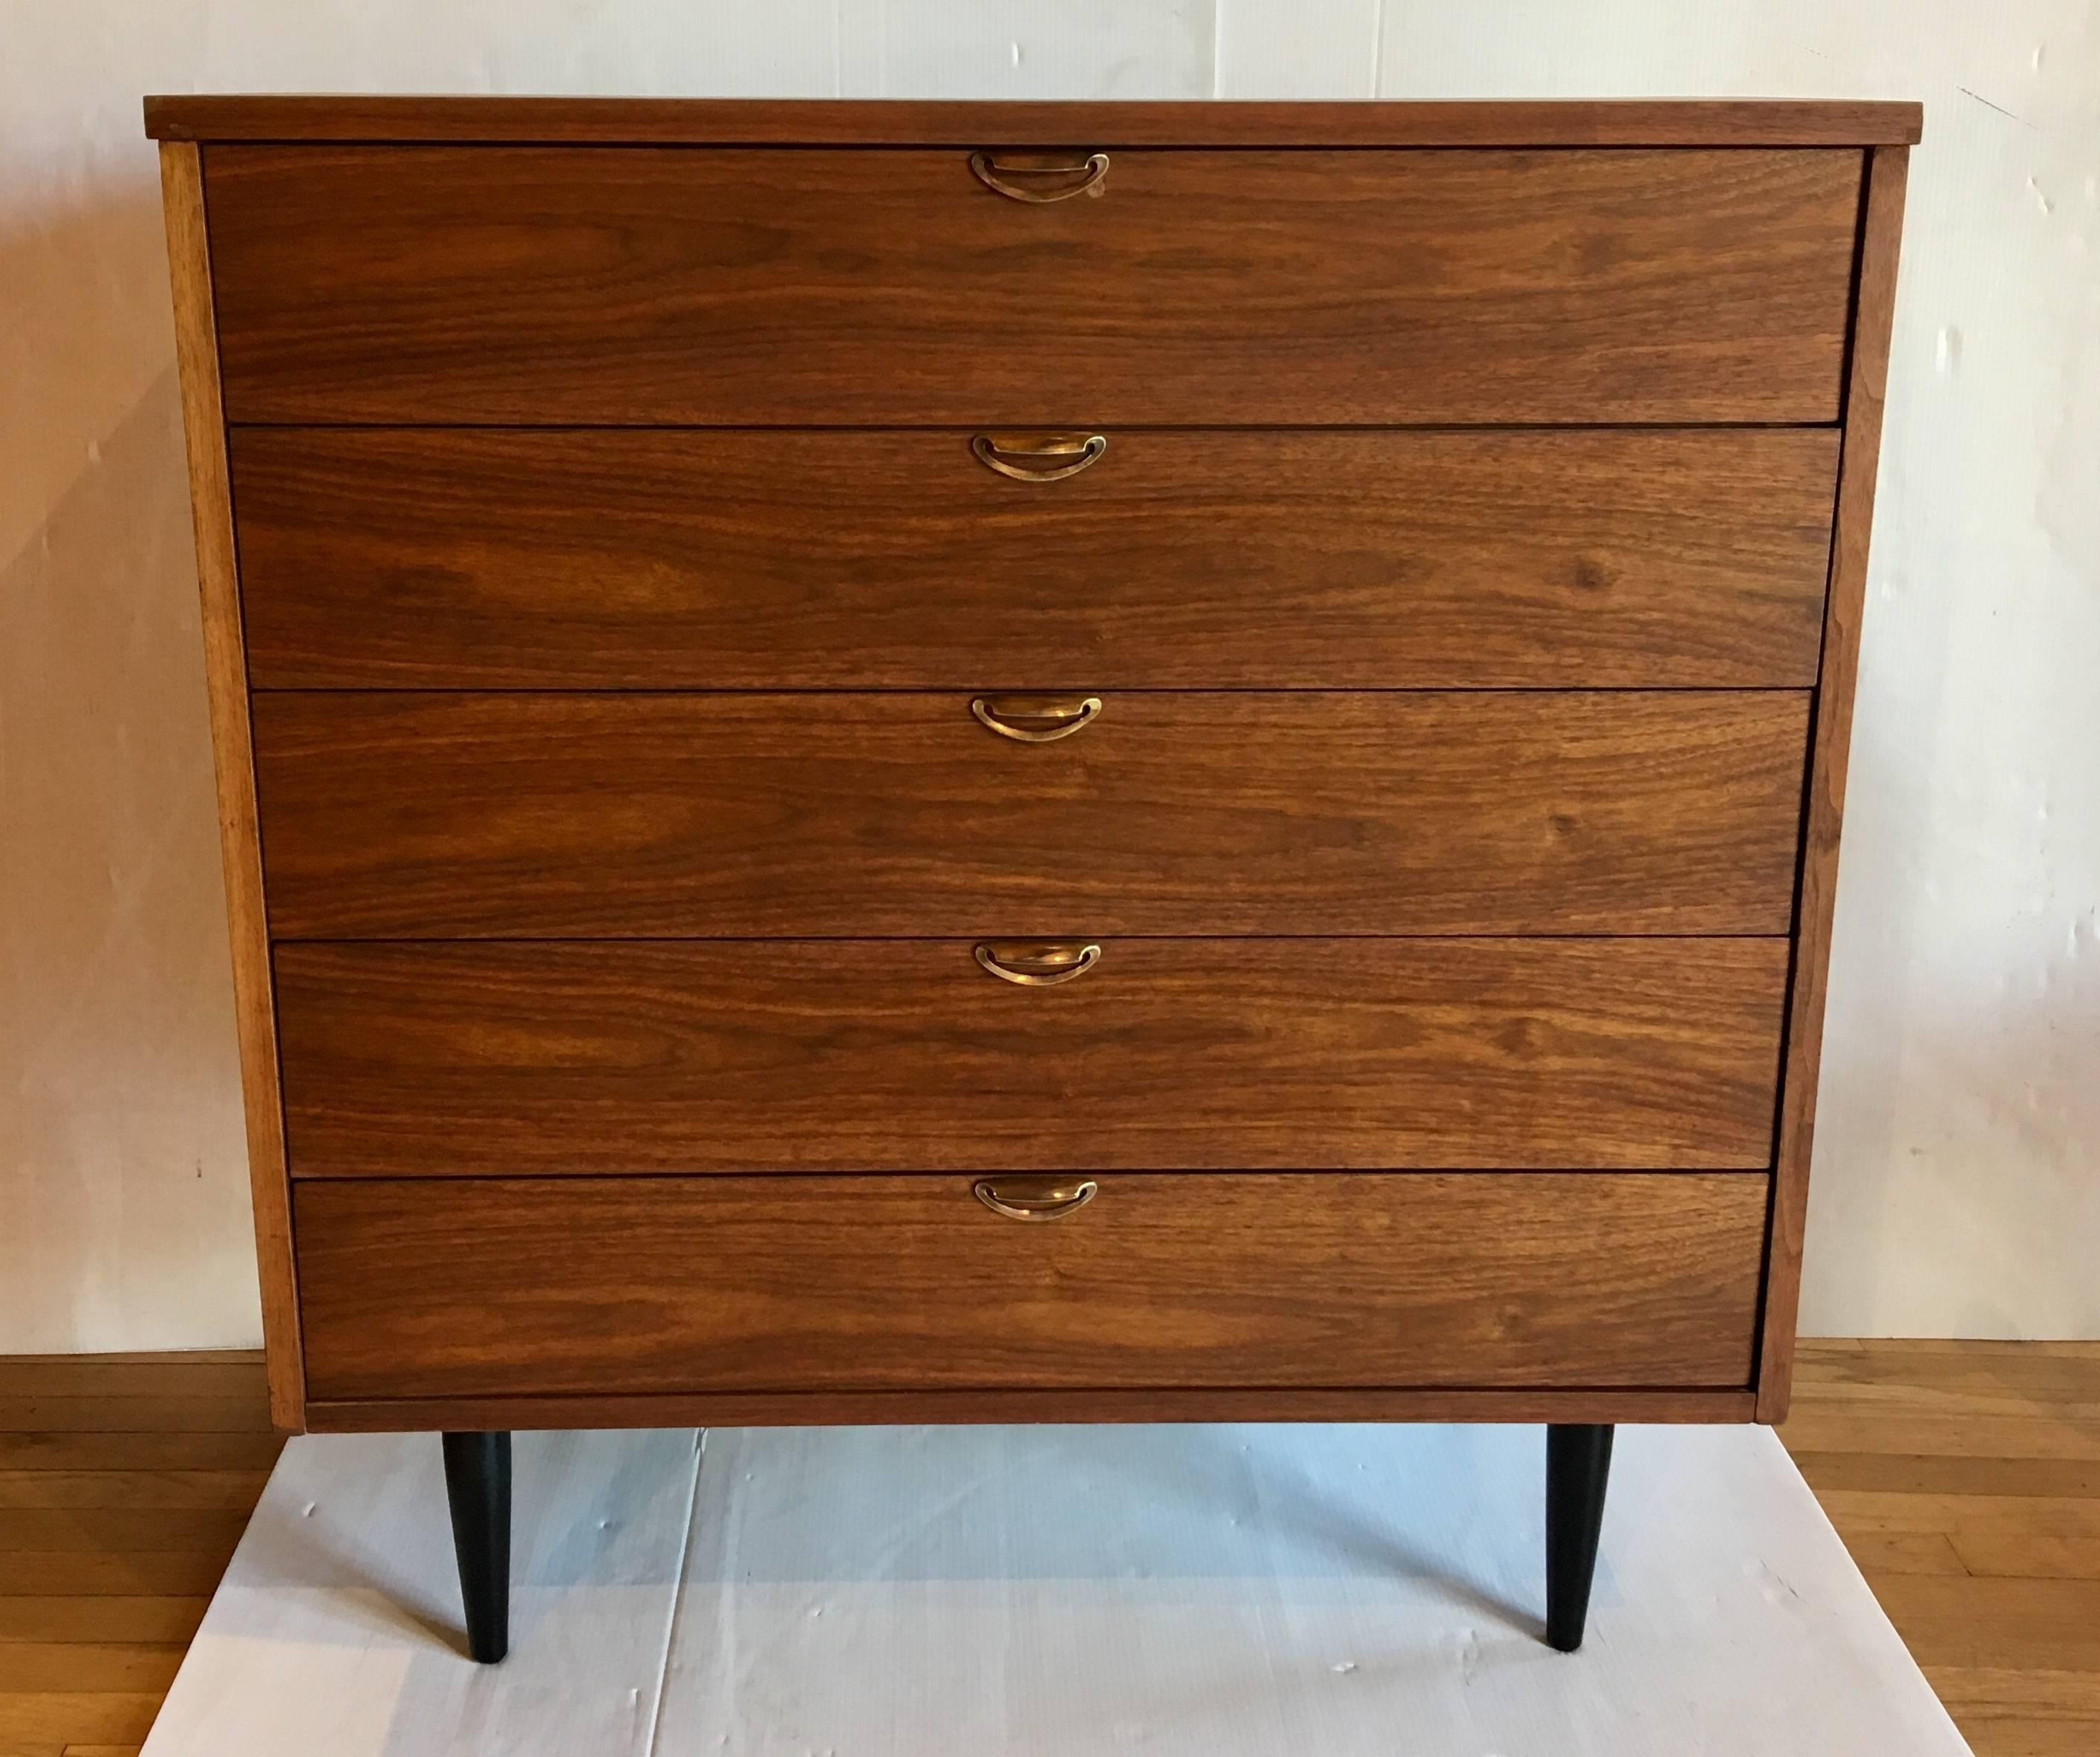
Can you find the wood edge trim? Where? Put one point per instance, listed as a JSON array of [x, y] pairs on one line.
[[226, 676], [1511, 125], [1881, 232], [773, 1409]]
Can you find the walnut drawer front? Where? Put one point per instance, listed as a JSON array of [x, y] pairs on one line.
[[485, 1287], [390, 815], [905, 1055], [710, 286], [485, 558]]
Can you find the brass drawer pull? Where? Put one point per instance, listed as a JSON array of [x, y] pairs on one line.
[[993, 449], [1036, 966], [1036, 719], [992, 172], [1033, 1199]]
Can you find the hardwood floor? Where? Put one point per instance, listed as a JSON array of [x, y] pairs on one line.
[[125, 1482], [1965, 1477]]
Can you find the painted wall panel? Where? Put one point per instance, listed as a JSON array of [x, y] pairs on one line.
[[1957, 1178], [1031, 48], [1956, 1182], [1318, 49]]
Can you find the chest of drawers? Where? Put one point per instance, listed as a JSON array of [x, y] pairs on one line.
[[929, 761]]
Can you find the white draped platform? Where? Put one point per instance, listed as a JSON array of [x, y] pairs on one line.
[[1181, 1591]]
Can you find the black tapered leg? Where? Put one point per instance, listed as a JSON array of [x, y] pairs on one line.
[[478, 1484], [1578, 1465]]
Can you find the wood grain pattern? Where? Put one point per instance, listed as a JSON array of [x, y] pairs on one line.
[[190, 1414], [795, 1409], [140, 1451], [1635, 122], [609, 1285], [1639, 607], [182, 1491], [651, 287], [478, 815], [899, 1055], [190, 273], [478, 558], [1883, 237]]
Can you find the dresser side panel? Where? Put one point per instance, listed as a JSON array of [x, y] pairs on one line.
[[1874, 313], [197, 353]]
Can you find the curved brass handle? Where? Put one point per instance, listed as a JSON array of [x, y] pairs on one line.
[[1036, 719], [993, 449], [1033, 1199], [992, 172], [1033, 964]]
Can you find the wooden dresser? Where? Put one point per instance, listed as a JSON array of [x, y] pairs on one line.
[[798, 686]]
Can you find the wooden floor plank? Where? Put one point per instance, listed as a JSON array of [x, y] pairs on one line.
[[2016, 1553], [99, 1617], [158, 1573], [2020, 1736], [173, 1358], [1905, 1552], [2013, 1713], [1887, 1431], [222, 1491], [48, 1721], [1853, 1511], [100, 1668], [1910, 1473], [134, 1415], [125, 1484], [2008, 1625], [1974, 1405], [217, 1375], [2052, 1384], [257, 1451], [2022, 1365], [2030, 1693], [1984, 1452], [1899, 1348], [119, 1530]]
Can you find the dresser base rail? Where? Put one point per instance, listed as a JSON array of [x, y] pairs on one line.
[[839, 1409]]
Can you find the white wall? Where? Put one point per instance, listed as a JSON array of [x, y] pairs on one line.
[[1956, 1186]]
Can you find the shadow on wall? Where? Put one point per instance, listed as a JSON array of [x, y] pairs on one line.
[[1951, 1169], [121, 1144], [1955, 1162]]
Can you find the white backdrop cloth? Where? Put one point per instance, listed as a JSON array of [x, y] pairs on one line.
[[1072, 1591]]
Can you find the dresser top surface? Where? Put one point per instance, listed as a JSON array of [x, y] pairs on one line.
[[712, 121]]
